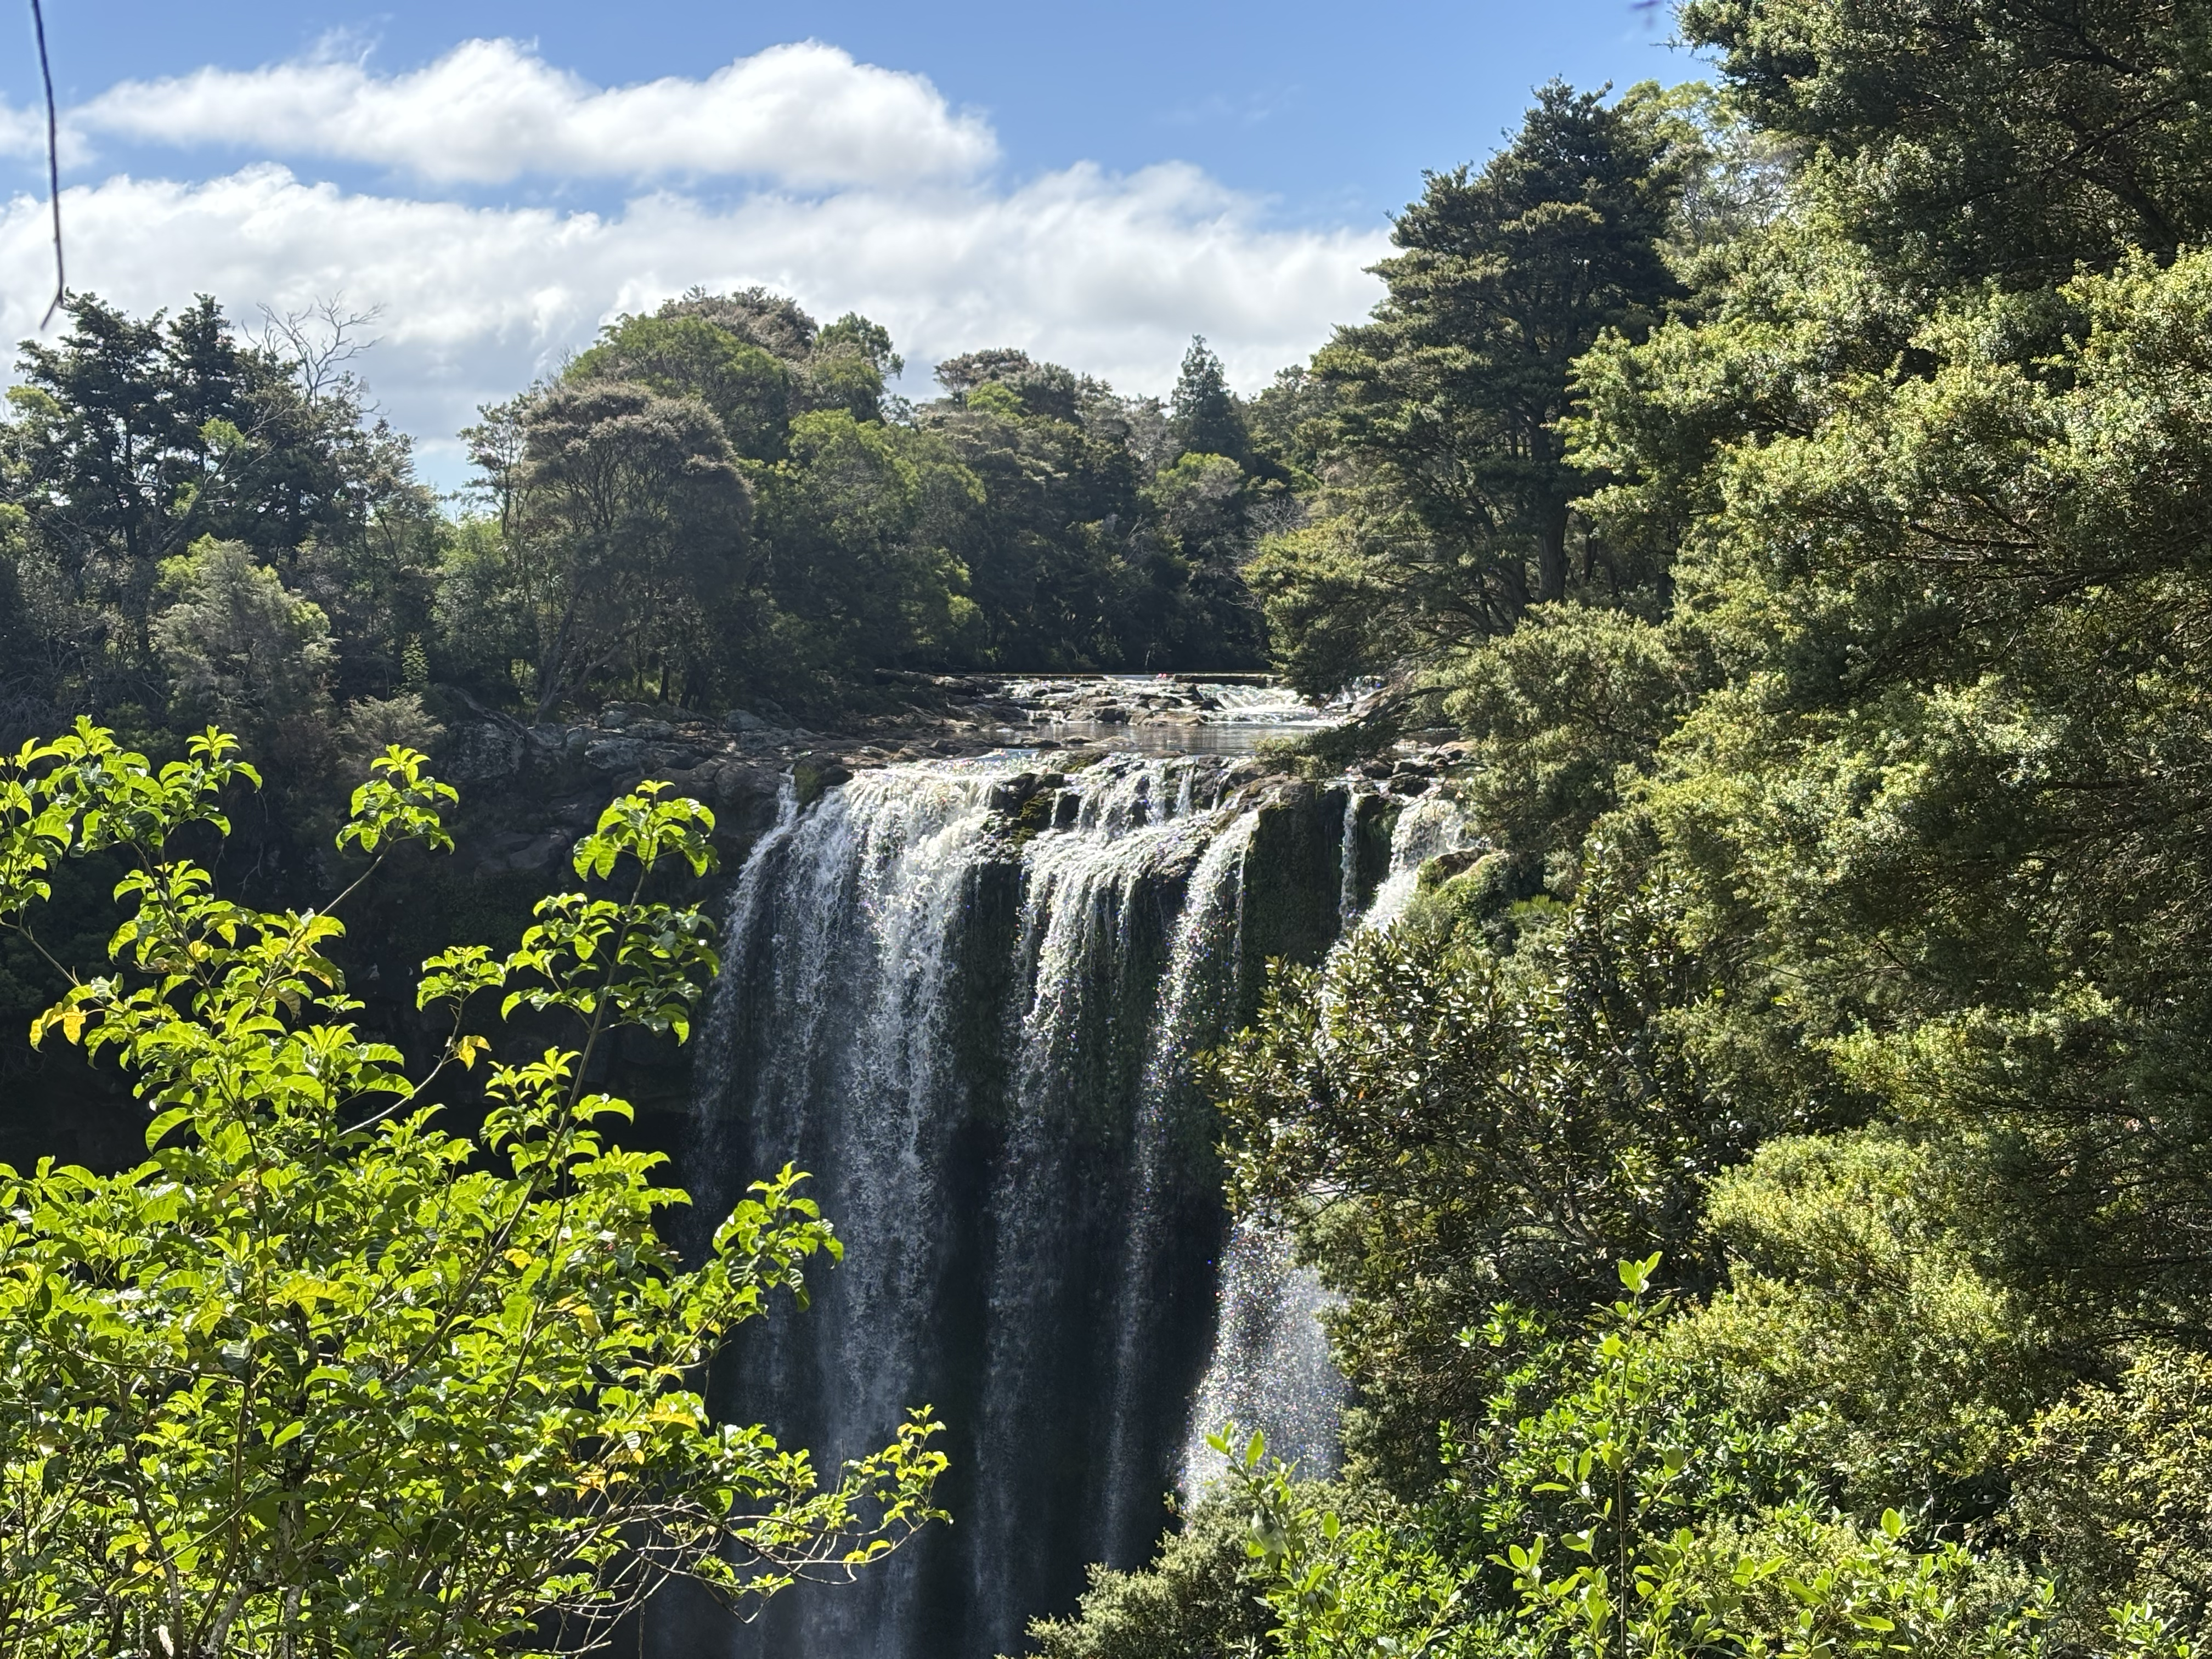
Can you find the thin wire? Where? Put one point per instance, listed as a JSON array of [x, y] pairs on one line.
[[54, 165]]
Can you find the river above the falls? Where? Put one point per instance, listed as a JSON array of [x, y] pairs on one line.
[[1190, 717]]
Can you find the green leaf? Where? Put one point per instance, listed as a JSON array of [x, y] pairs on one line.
[[158, 1130]]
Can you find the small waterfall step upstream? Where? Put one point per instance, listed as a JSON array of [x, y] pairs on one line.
[[969, 997]]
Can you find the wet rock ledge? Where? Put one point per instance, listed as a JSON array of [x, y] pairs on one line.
[[529, 792]]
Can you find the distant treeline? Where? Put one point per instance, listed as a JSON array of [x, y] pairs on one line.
[[717, 501], [720, 500]]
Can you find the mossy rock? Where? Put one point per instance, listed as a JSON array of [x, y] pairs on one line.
[[814, 778], [1294, 874]]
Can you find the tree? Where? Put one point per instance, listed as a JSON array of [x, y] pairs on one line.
[[322, 1377], [1202, 503], [1631, 1514], [865, 523], [118, 426], [634, 519], [1208, 418], [1961, 139], [1197, 1600], [749, 389], [240, 647], [1053, 552], [1943, 798], [1562, 714], [1449, 1126], [134, 439], [1451, 478]]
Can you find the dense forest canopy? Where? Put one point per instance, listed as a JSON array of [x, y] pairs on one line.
[[1832, 961], [1768, 1173], [715, 501]]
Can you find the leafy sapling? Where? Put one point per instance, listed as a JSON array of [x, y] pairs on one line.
[[320, 1377]]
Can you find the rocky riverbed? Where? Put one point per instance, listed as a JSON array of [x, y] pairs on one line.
[[551, 780]]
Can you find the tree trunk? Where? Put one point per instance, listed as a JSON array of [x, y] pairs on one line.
[[1551, 556]]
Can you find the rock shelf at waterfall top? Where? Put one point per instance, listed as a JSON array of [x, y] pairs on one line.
[[556, 777]]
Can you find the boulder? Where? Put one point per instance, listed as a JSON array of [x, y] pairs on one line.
[[1008, 795], [613, 755], [746, 799], [816, 774], [483, 750]]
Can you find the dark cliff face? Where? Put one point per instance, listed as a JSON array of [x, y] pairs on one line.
[[525, 797]]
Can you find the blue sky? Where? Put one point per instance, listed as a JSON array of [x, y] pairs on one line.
[[1093, 183]]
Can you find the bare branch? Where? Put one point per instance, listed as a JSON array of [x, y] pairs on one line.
[[54, 165], [316, 342]]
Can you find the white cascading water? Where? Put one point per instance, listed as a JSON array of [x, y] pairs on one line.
[[1080, 909], [973, 1015], [1272, 1370], [1427, 826], [1347, 866], [1196, 999], [1258, 702], [976, 1035]]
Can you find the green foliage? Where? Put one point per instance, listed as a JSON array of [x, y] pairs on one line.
[[1208, 420], [373, 725], [631, 516], [1964, 140], [613, 546], [1450, 1127], [1198, 1599], [2115, 1493], [1658, 1538], [1857, 1317], [748, 389], [1379, 1588], [865, 522], [1878, 700], [1942, 792], [1561, 711], [1027, 521], [318, 1366]]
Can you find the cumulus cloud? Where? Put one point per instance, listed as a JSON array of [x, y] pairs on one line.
[[1108, 274], [22, 132], [804, 115]]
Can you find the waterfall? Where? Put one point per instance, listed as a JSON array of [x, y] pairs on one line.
[[1427, 826], [1203, 964], [967, 997], [1270, 1368], [1347, 870]]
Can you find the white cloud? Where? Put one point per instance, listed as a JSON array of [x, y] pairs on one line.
[[805, 115], [22, 132], [1110, 274]]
